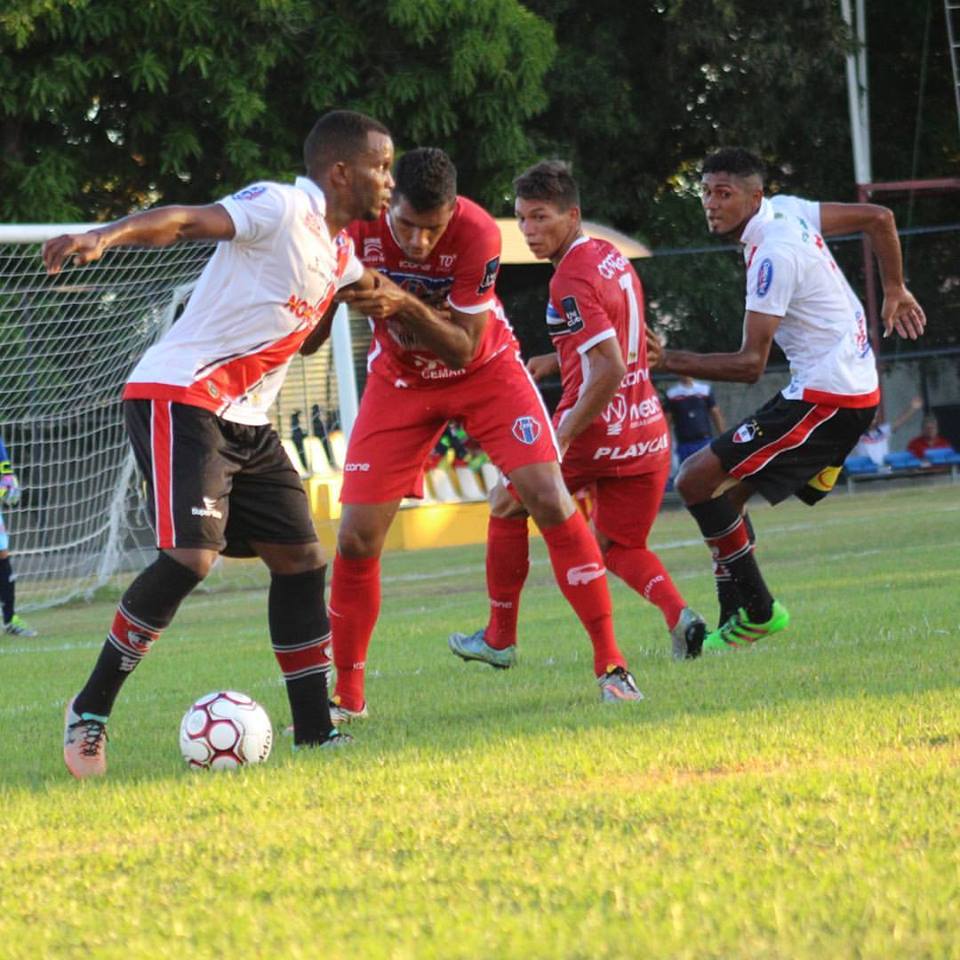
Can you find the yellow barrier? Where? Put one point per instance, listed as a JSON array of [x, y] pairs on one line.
[[415, 527]]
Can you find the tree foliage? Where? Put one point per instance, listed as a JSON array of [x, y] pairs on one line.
[[107, 105]]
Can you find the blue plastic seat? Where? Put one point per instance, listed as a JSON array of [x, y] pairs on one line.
[[942, 456], [858, 466], [902, 460]]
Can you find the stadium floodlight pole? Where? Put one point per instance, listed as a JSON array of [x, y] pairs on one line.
[[343, 362]]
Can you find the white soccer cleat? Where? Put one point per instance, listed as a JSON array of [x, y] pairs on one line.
[[687, 635], [617, 686]]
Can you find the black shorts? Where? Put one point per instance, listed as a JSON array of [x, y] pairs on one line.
[[214, 484], [783, 448]]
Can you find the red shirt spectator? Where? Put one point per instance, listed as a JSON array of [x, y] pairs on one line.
[[929, 439]]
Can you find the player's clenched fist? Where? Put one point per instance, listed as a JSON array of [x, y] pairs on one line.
[[83, 247]]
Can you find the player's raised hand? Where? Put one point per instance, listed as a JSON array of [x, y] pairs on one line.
[[543, 365], [902, 313], [83, 247]]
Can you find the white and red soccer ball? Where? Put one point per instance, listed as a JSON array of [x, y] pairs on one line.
[[225, 730]]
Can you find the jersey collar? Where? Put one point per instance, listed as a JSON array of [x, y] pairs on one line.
[[313, 191], [583, 238], [753, 231]]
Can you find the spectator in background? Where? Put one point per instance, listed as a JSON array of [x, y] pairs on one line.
[[320, 430], [928, 439], [691, 409], [9, 495], [875, 442], [297, 435]]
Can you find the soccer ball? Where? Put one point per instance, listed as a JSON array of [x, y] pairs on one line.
[[223, 731]]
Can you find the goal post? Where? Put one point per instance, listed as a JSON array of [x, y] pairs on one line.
[[67, 344]]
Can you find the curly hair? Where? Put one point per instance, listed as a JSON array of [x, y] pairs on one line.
[[426, 178]]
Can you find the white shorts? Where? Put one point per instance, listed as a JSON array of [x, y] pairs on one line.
[[4, 536]]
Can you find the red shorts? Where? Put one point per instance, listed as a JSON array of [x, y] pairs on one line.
[[397, 427], [623, 509]]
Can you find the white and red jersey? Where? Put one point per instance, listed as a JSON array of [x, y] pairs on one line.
[[255, 303], [792, 274], [595, 294], [461, 273]]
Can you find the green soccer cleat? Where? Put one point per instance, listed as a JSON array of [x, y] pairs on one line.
[[738, 631], [17, 627], [474, 647]]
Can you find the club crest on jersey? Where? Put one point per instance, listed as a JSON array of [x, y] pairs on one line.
[[489, 275], [747, 432], [526, 429], [250, 193], [764, 277]]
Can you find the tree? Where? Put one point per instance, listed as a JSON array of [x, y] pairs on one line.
[[106, 106], [642, 90]]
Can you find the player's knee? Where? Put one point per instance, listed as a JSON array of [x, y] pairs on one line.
[[689, 484], [503, 504], [548, 505], [199, 562], [294, 558], [358, 543]]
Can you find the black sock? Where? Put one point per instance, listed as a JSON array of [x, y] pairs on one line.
[[146, 608], [728, 593], [726, 534], [7, 589], [300, 633]]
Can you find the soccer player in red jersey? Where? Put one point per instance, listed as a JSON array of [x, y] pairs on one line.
[[443, 349], [609, 424]]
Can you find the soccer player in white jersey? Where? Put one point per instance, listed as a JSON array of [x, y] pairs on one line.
[[196, 411], [796, 443]]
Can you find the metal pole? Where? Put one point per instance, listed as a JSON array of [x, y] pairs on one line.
[[343, 362]]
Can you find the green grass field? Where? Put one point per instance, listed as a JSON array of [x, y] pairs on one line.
[[800, 799]]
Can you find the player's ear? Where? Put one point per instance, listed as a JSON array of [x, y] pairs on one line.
[[340, 174]]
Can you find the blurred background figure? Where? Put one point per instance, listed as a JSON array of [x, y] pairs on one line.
[[297, 435], [928, 439], [9, 496], [693, 412], [875, 442]]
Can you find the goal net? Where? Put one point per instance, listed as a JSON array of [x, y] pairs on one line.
[[67, 345]]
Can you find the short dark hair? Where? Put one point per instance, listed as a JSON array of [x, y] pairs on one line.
[[735, 160], [550, 180], [426, 178], [338, 135]]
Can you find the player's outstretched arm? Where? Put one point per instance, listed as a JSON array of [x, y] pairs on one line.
[[900, 311], [744, 366], [151, 228]]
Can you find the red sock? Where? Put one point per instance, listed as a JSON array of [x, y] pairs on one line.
[[508, 561], [354, 608], [578, 567], [642, 570]]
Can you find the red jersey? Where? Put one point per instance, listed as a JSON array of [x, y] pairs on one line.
[[596, 294], [461, 272]]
